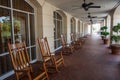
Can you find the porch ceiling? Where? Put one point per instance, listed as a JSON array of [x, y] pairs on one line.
[[69, 6]]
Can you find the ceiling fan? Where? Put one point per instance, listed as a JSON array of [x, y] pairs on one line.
[[86, 6], [89, 16], [91, 21]]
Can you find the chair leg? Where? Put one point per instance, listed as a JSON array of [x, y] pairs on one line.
[[29, 75], [17, 76], [63, 63], [31, 69], [54, 61], [45, 71], [56, 68], [71, 50], [62, 60]]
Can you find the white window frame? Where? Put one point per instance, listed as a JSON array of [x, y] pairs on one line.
[[29, 47], [61, 22]]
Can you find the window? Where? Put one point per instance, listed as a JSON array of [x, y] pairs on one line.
[[79, 26], [57, 29], [73, 25], [5, 3], [16, 25]]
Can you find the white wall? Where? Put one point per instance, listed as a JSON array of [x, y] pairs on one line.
[[48, 24], [76, 25], [85, 29], [68, 27], [108, 23]]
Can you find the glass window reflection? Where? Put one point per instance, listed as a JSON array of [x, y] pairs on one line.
[[5, 29]]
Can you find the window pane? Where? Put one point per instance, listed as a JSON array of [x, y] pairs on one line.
[[55, 23], [58, 29], [22, 5], [21, 27], [28, 50], [72, 28], [5, 64], [72, 25], [32, 30], [33, 53], [55, 44], [5, 3], [59, 43], [5, 29]]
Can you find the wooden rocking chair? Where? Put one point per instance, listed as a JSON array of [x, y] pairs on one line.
[[79, 39], [21, 62], [47, 56], [66, 48], [75, 42]]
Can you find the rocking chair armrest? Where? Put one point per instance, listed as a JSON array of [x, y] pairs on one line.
[[52, 53], [47, 56], [57, 56]]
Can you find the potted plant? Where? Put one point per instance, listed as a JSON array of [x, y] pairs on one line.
[[101, 32], [115, 48], [104, 34]]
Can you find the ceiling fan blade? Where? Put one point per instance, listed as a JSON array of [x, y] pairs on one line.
[[94, 17], [89, 4], [94, 6]]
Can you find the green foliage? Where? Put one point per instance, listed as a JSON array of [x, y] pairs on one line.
[[104, 31], [16, 25], [103, 28], [6, 26], [116, 29], [115, 38], [101, 33]]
